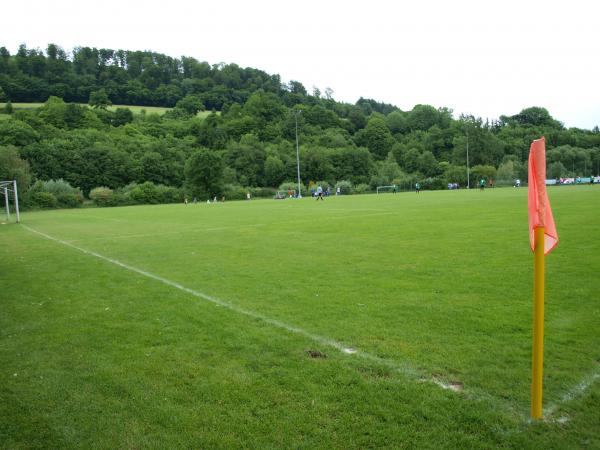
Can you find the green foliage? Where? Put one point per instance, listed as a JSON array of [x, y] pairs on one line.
[[247, 158], [150, 193], [386, 171], [56, 187], [533, 116], [43, 199], [455, 174], [362, 188], [274, 171], [8, 107], [69, 200], [235, 192], [376, 137], [345, 187], [488, 173], [506, 173], [556, 170], [99, 99], [64, 194], [422, 117], [204, 174], [191, 104], [122, 116], [397, 122], [103, 196], [432, 183], [17, 133], [12, 167]]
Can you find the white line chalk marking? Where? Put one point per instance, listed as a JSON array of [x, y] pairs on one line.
[[573, 393]]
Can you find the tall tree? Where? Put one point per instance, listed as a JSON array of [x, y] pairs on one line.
[[376, 137], [12, 167], [204, 174]]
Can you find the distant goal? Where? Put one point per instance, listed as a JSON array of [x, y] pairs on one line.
[[8, 190], [391, 189]]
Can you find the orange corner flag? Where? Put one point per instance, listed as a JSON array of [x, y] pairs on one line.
[[540, 213]]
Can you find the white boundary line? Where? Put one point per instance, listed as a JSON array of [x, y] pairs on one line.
[[573, 393], [402, 369]]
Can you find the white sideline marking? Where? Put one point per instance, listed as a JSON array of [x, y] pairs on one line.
[[402, 369], [575, 392]]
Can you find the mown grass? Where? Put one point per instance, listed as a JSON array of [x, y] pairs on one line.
[[435, 286], [134, 109]]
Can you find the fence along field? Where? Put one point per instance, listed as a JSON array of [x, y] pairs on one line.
[[406, 297]]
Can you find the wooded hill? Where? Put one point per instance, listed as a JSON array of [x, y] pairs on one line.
[[248, 141]]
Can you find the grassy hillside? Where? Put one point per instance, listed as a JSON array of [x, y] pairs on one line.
[[135, 109]]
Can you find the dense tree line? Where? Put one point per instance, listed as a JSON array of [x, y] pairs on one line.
[[248, 140]]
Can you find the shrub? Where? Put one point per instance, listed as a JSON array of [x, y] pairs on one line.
[[66, 196], [103, 196], [70, 200], [345, 187], [145, 193], [362, 188], [235, 192], [486, 172], [149, 193], [433, 183], [263, 192], [169, 194], [43, 199]]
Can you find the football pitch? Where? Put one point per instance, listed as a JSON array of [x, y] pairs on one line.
[[374, 321]]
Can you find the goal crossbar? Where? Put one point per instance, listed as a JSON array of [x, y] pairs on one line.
[[390, 188]]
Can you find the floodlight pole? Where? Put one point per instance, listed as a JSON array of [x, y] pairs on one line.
[[16, 200], [468, 175], [298, 151]]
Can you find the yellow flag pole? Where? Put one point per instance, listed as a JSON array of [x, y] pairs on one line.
[[538, 324]]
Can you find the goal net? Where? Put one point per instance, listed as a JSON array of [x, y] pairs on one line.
[[387, 189], [8, 189]]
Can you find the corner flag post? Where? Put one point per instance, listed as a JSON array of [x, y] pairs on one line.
[[538, 324], [542, 238]]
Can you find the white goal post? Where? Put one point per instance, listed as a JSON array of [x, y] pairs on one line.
[[5, 188], [384, 189]]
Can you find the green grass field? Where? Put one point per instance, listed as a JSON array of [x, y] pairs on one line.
[[134, 109], [193, 326]]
